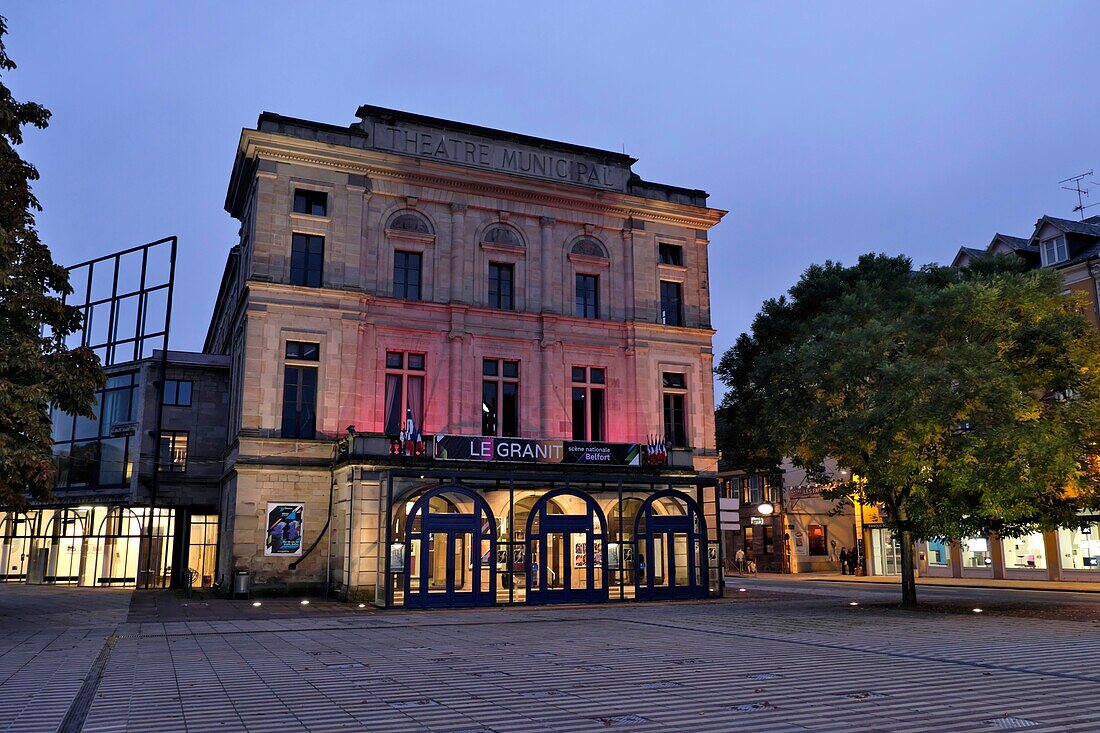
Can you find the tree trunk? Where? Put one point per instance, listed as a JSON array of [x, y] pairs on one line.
[[908, 576]]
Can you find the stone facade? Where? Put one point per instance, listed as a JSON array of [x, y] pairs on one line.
[[424, 190]]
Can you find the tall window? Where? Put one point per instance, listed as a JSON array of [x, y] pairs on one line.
[[300, 390], [406, 275], [173, 451], [672, 305], [1054, 251], [404, 390], [307, 256], [177, 392], [500, 398], [670, 254], [674, 393], [588, 403], [752, 490], [588, 296], [314, 203], [500, 285]]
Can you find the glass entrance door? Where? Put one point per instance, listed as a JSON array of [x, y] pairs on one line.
[[566, 552], [668, 549], [885, 552], [449, 556]]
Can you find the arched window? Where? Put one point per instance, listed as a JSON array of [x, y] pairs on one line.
[[502, 235], [409, 221], [589, 247]]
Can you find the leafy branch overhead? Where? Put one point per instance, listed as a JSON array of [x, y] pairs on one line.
[[966, 402], [36, 369]]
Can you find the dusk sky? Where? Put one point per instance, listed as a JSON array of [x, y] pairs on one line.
[[825, 129]]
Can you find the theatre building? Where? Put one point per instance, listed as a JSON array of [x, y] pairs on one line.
[[467, 367]]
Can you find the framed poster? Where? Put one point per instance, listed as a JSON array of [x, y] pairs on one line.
[[284, 529]]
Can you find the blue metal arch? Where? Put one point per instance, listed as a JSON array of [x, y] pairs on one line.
[[694, 525], [482, 517], [537, 592]]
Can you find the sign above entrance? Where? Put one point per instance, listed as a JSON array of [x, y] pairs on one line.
[[529, 450]]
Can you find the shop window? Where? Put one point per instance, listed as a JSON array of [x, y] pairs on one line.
[[670, 254], [500, 398], [406, 275], [937, 553], [747, 540], [588, 403], [769, 539], [307, 256], [588, 296], [202, 549], [1025, 552], [314, 203], [404, 391], [672, 305], [816, 534], [1080, 548], [173, 451], [300, 391], [177, 392], [975, 553], [674, 396], [501, 279]]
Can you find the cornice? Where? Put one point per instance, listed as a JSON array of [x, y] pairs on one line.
[[426, 173]]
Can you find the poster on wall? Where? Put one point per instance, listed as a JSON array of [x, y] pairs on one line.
[[284, 529]]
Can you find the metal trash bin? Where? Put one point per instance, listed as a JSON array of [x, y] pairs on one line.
[[242, 581]]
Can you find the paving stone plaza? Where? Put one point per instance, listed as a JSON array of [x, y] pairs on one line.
[[780, 657]]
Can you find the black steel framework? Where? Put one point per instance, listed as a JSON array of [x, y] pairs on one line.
[[709, 539], [138, 310], [656, 535]]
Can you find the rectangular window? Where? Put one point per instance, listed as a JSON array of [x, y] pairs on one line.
[[173, 451], [177, 392], [588, 296], [307, 256], [674, 395], [500, 286], [300, 391], [672, 307], [500, 398], [588, 403], [406, 275], [404, 391], [671, 254], [1054, 251], [816, 534], [314, 203], [769, 539], [96, 451]]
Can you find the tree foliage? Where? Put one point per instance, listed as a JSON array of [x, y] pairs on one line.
[[966, 402], [36, 369]]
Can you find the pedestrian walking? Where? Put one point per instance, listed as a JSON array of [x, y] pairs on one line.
[[739, 559]]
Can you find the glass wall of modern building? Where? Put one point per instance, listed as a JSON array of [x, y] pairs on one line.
[[477, 542]]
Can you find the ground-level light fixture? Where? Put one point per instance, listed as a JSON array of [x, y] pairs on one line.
[[256, 604], [362, 605], [305, 603], [742, 590], [766, 509], [978, 610], [853, 603]]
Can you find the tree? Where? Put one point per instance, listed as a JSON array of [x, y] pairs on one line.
[[965, 403], [36, 368]]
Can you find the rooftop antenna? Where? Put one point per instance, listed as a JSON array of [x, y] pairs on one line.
[[1082, 193]]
